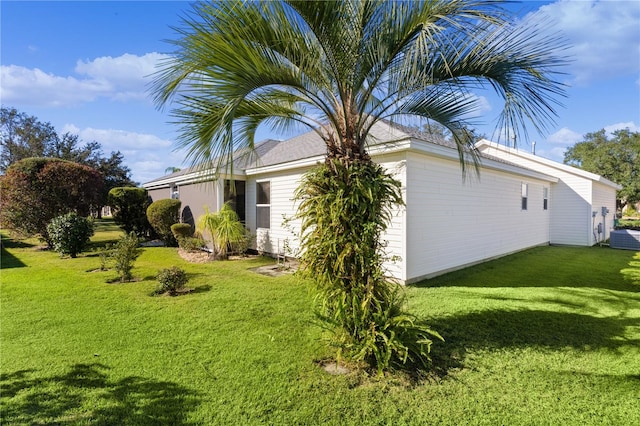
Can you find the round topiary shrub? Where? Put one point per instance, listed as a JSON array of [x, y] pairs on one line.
[[181, 230], [70, 233], [161, 215], [171, 280]]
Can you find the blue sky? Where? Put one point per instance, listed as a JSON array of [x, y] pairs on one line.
[[83, 66]]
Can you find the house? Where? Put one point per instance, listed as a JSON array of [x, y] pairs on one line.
[[451, 220]]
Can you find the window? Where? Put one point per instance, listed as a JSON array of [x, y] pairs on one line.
[[263, 204], [175, 194], [524, 192], [234, 194], [545, 198]]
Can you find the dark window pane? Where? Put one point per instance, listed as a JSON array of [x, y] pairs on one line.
[[264, 193], [263, 217], [524, 203]]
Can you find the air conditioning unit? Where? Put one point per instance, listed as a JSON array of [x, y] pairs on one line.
[[625, 239]]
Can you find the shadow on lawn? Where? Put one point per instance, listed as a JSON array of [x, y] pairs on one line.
[[499, 329], [632, 273], [86, 394], [8, 260]]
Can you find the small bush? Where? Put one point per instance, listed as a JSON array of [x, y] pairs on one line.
[[105, 257], [225, 229], [171, 280], [243, 245], [161, 215], [192, 243], [124, 254], [70, 233], [181, 230]]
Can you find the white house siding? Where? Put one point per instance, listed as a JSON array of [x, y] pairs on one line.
[[572, 197], [570, 206], [603, 197], [452, 223], [394, 237], [283, 186]]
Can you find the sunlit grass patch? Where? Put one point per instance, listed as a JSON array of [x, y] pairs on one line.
[[547, 336]]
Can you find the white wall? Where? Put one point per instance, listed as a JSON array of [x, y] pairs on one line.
[[452, 223], [571, 198], [283, 186], [604, 197], [570, 206]]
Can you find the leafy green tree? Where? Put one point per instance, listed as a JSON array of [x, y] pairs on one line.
[[338, 68], [24, 136], [616, 158], [129, 209], [36, 190]]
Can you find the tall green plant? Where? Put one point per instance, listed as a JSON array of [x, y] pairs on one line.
[[224, 227], [339, 67], [124, 254], [344, 258]]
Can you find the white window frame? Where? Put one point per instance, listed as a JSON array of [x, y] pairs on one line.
[[260, 206], [174, 192], [524, 193], [545, 198]]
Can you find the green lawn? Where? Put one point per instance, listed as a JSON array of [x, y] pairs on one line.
[[547, 336]]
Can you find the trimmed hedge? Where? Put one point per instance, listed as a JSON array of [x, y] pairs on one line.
[[161, 215]]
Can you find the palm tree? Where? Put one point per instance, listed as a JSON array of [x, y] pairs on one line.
[[338, 68]]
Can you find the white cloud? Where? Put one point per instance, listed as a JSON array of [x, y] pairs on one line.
[[603, 34], [564, 136], [128, 74], [35, 87], [145, 154], [633, 127], [122, 78]]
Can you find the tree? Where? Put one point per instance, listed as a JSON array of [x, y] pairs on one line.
[[23, 136], [617, 159], [36, 190], [338, 68], [129, 208]]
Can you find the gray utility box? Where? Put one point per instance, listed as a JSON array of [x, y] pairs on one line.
[[625, 239]]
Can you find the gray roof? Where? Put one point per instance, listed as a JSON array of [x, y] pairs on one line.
[[307, 145]]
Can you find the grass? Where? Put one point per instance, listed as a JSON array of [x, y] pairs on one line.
[[546, 336]]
